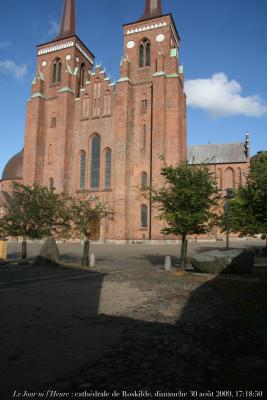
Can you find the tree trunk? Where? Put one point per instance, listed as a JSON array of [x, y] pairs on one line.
[[183, 255], [24, 250], [86, 250]]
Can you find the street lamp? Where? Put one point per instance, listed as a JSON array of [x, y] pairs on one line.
[[230, 194]]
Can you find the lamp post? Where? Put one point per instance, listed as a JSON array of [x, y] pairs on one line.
[[229, 195]]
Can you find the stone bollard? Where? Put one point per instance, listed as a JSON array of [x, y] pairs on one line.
[[168, 263], [92, 261]]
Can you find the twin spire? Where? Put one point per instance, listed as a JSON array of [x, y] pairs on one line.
[[153, 8], [68, 20]]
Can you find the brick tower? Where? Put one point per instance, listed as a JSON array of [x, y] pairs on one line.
[[150, 118], [63, 67], [84, 133]]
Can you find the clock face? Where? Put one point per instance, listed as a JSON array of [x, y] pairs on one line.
[[160, 38], [44, 64], [68, 57], [130, 44]]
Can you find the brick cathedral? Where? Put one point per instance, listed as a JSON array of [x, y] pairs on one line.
[[86, 133]]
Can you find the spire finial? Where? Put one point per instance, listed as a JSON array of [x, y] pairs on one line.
[[153, 9], [68, 20]]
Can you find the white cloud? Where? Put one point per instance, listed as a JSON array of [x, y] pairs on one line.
[[221, 97], [54, 27], [4, 45], [11, 68]]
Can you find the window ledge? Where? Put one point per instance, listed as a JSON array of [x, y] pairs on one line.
[[55, 84]]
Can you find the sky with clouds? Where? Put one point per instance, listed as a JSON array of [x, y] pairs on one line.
[[223, 50]]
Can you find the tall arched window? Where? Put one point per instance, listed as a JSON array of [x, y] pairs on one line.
[[57, 69], [229, 177], [95, 162], [148, 54], [85, 107], [144, 181], [82, 173], [81, 79], [53, 121], [97, 97], [50, 156], [107, 103], [143, 138], [108, 158], [51, 185], [219, 178], [144, 216], [240, 181], [82, 76], [144, 103], [144, 54]]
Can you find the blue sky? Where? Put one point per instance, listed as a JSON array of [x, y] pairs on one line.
[[223, 50]]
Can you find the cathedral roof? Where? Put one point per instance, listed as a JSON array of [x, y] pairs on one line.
[[13, 169], [217, 153]]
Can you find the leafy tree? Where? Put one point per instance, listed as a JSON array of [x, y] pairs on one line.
[[84, 213], [3, 229], [34, 213], [248, 211], [187, 202]]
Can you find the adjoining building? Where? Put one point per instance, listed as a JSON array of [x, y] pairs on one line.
[[87, 133]]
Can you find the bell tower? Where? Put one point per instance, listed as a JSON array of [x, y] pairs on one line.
[[64, 65], [152, 122]]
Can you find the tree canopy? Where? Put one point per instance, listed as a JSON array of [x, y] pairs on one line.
[[187, 200], [248, 211]]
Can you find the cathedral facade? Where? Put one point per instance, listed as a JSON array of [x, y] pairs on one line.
[[85, 133]]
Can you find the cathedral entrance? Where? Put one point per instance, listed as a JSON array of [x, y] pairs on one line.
[[95, 231]]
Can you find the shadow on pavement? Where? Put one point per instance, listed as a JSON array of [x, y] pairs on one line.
[[53, 337]]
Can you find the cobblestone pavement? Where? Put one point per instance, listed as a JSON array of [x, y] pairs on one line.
[[131, 327]]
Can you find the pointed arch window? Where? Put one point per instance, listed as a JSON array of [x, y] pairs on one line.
[[229, 176], [85, 107], [144, 181], [219, 179], [51, 185], [144, 104], [81, 79], [107, 103], [143, 138], [108, 158], [53, 121], [82, 76], [145, 53], [82, 172], [144, 216], [97, 97], [95, 162], [57, 70], [50, 155]]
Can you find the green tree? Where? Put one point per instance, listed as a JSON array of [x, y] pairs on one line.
[[248, 211], [3, 229], [34, 213], [187, 202], [84, 214]]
